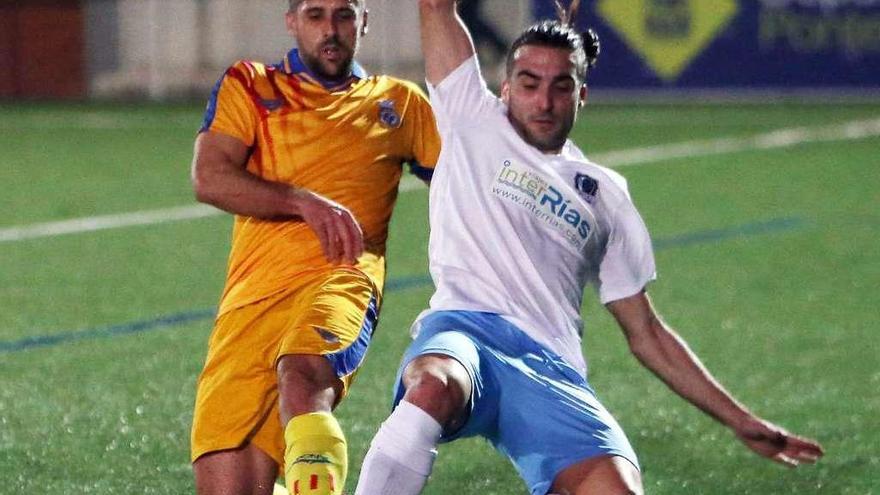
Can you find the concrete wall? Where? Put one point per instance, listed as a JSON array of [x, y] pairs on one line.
[[168, 48]]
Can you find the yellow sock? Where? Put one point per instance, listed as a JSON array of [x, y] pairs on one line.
[[316, 457]]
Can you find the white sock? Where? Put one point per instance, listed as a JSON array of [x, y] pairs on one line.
[[401, 454]]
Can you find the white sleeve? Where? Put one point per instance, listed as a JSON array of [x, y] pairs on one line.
[[462, 96], [628, 262]]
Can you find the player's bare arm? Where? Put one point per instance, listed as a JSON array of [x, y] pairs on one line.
[[661, 350], [445, 40], [220, 178]]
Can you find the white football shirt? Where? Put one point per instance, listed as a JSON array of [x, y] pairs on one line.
[[520, 233]]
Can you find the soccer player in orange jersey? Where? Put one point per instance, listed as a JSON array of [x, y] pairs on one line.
[[307, 154]]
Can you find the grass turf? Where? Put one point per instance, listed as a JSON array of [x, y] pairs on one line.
[[785, 318]]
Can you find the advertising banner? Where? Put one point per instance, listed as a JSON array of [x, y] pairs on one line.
[[770, 44]]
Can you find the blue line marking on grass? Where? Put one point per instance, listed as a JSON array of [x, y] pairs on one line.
[[408, 282], [716, 235], [108, 331], [401, 283]]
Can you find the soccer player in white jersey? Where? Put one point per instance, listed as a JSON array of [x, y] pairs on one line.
[[521, 222]]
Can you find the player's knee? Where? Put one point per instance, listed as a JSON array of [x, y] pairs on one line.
[[306, 384], [305, 366], [614, 483], [611, 490], [439, 386], [610, 475]]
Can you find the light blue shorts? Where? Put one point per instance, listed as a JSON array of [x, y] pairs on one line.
[[529, 403]]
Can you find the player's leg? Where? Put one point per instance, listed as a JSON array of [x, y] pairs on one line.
[[402, 453], [326, 341], [316, 457], [440, 386], [234, 407], [244, 471], [603, 475], [582, 449], [436, 393]]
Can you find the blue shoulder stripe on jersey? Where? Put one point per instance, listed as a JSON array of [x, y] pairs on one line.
[[211, 110], [349, 359], [296, 66], [420, 171]]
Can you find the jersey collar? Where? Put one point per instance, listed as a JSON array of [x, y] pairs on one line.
[[293, 64]]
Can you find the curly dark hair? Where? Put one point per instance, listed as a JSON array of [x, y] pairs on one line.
[[293, 4], [559, 34]]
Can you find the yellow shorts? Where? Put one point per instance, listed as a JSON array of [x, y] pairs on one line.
[[328, 313]]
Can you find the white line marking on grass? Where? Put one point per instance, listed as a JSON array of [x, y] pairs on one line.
[[780, 138], [103, 222]]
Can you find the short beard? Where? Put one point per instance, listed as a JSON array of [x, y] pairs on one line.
[[550, 144], [314, 65]]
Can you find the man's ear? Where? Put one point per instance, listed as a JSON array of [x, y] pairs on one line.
[[582, 95], [290, 22], [505, 90]]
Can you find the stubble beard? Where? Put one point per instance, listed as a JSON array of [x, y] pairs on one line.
[[332, 72], [328, 70], [547, 143]]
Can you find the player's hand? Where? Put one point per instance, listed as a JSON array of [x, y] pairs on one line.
[[774, 442], [342, 239]]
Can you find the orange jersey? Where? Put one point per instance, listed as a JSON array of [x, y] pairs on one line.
[[347, 143]]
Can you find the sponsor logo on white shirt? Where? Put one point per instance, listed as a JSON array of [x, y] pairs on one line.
[[545, 202]]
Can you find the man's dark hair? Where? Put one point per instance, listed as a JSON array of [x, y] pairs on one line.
[[293, 4], [559, 34]]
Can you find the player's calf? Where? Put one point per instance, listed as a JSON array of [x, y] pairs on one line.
[[402, 453], [316, 457]]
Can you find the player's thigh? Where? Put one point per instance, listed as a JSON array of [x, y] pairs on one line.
[[445, 356], [603, 475], [327, 314], [438, 370], [334, 316], [237, 388], [542, 402]]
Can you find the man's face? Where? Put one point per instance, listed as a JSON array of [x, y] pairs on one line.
[[542, 94], [327, 34]]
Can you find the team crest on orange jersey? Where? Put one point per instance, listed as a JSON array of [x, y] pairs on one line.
[[388, 115]]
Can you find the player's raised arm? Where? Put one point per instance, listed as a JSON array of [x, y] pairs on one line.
[[446, 42]]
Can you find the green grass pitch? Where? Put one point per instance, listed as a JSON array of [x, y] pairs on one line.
[[767, 259]]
